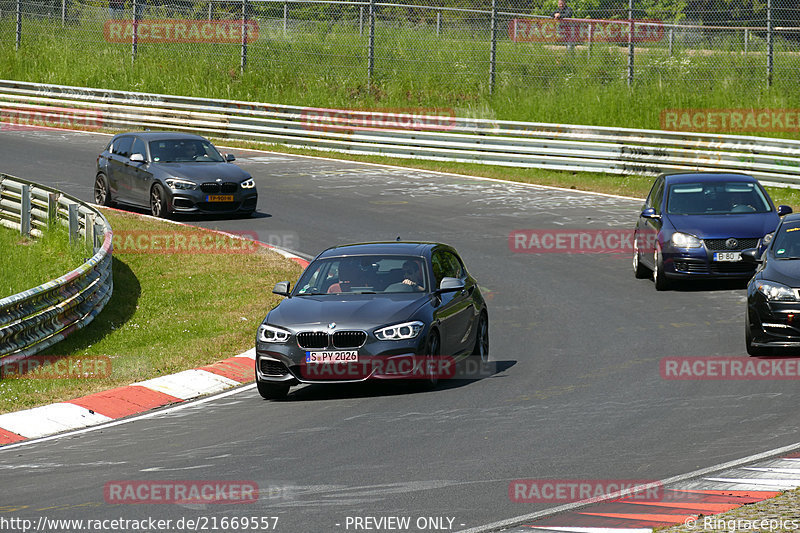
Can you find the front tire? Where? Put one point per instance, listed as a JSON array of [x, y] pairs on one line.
[[639, 270], [753, 350], [102, 191], [158, 202], [481, 350], [659, 277], [432, 350], [272, 391]]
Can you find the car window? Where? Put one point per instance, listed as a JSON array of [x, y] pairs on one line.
[[122, 146], [786, 244], [445, 265], [139, 148], [363, 274], [716, 198], [184, 151], [658, 183], [658, 196]]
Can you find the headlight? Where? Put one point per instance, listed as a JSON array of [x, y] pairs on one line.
[[776, 292], [399, 332], [272, 334], [248, 184], [684, 240], [767, 238], [177, 184]]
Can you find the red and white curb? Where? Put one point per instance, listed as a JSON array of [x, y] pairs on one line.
[[106, 406], [681, 503]]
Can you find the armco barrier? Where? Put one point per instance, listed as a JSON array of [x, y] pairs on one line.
[[37, 318], [494, 142]]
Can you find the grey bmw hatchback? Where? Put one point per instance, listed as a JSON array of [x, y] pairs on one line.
[[384, 310], [172, 173]]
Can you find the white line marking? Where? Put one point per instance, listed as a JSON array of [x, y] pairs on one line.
[[789, 483], [774, 470], [594, 529]]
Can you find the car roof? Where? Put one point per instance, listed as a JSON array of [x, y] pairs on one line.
[[689, 177], [385, 247], [162, 135]]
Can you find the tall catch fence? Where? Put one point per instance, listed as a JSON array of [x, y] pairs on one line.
[[455, 43]]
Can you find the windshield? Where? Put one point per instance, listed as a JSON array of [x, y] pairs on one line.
[[365, 274], [184, 151], [787, 241], [716, 198]]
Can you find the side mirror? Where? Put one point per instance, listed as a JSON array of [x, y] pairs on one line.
[[137, 158], [751, 256], [650, 212], [281, 288], [784, 210], [230, 157], [451, 285]]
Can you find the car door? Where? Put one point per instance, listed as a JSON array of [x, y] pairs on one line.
[[648, 229], [118, 177], [456, 310], [140, 174]]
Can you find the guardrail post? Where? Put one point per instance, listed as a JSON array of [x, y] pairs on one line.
[[74, 225], [97, 236], [18, 38], [438, 23], [630, 42], [243, 60], [371, 43], [770, 43], [493, 46], [88, 228], [285, 16], [52, 208], [135, 34], [25, 211]]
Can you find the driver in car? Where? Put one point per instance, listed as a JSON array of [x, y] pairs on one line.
[[349, 276]]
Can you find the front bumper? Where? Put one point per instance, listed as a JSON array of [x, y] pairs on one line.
[[189, 201], [699, 263], [285, 363], [775, 324]]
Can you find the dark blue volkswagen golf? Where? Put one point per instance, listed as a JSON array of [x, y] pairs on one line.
[[695, 225]]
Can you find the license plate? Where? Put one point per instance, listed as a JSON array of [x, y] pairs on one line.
[[219, 198], [350, 356], [728, 256]]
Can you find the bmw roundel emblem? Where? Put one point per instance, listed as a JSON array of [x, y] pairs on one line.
[[731, 243], [332, 325]]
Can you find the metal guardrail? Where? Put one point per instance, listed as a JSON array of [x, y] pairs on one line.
[[37, 318], [444, 138]]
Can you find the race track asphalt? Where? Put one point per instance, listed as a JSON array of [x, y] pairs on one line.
[[576, 341]]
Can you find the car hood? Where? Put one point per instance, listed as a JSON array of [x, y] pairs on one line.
[[786, 271], [362, 311], [751, 225], [203, 171]]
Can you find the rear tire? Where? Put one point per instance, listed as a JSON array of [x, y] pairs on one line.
[[102, 192], [272, 391]]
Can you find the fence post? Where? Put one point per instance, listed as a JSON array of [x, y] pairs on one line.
[[630, 42], [74, 225], [285, 16], [209, 11], [671, 40], [438, 23], [493, 46], [243, 59], [746, 40], [589, 46], [371, 43], [770, 43], [135, 35], [19, 25], [25, 211], [361, 20], [63, 12]]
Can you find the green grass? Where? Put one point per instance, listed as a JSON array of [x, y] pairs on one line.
[[168, 312], [324, 64], [26, 263]]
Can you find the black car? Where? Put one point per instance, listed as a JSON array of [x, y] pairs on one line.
[[172, 173], [773, 295], [372, 311]]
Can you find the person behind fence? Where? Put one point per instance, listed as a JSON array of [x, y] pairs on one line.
[[566, 28], [116, 8]]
